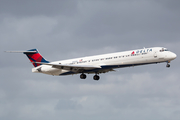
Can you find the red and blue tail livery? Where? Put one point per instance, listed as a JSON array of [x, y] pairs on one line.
[[35, 56]]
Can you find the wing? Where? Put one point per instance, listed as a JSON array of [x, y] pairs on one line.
[[75, 68]]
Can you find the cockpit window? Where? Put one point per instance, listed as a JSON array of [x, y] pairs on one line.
[[163, 49]]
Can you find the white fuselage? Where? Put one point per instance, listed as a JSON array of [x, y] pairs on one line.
[[108, 62]]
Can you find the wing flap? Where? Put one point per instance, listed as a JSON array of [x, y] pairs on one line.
[[70, 67]]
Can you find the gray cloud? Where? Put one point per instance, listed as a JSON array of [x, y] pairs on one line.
[[66, 104], [38, 7]]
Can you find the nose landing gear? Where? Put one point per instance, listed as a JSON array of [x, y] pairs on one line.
[[168, 65]]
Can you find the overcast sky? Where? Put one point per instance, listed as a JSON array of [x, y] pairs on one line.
[[63, 29]]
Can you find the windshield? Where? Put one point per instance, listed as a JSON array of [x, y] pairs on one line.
[[164, 49]]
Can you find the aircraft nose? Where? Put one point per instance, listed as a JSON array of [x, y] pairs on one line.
[[173, 55]]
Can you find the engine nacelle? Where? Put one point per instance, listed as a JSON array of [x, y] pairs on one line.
[[46, 70]]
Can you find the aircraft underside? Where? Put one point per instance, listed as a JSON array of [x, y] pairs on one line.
[[105, 69]]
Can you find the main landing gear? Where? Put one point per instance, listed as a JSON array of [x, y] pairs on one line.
[[83, 76], [96, 77]]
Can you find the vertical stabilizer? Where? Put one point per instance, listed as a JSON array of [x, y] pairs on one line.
[[35, 56]]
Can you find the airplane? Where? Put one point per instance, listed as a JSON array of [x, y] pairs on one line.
[[99, 63]]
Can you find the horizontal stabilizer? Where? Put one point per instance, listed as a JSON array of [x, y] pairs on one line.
[[21, 51], [33, 55]]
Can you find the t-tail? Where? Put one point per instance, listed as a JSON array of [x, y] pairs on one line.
[[33, 55]]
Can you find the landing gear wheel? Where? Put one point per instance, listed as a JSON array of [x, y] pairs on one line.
[[168, 65], [96, 77], [83, 76]]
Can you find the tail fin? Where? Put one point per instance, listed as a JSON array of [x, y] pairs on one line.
[[35, 56]]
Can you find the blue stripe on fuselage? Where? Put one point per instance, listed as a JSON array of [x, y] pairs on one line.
[[107, 67]]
